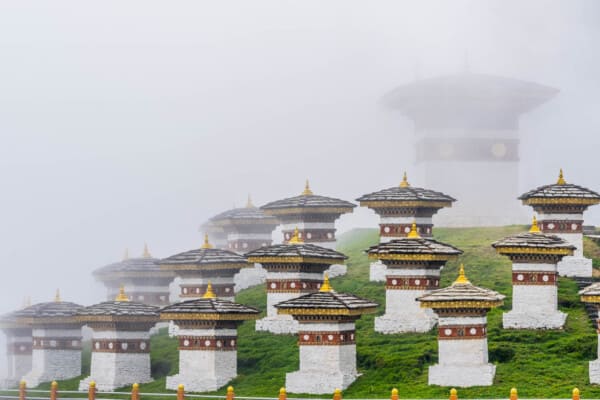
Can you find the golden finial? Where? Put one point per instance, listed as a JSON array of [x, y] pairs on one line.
[[146, 252], [404, 182], [206, 244], [513, 394], [576, 394], [57, 296], [561, 178], [534, 226], [249, 202], [307, 191], [209, 294], [122, 296], [462, 279], [295, 238], [326, 287], [414, 233], [126, 255]]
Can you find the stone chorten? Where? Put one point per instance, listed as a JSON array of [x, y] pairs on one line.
[[462, 333], [591, 295], [534, 278], [247, 229], [142, 277], [560, 207], [326, 338], [413, 267], [293, 269], [56, 335], [120, 342], [314, 216], [207, 333], [195, 268], [19, 344], [398, 208]]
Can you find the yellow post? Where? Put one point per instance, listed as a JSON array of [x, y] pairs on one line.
[[453, 394], [394, 394], [513, 394], [22, 390], [575, 394], [180, 392], [135, 392], [92, 391], [337, 394], [282, 394], [53, 390], [230, 394]]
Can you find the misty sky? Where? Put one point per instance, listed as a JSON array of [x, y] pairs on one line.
[[124, 122]]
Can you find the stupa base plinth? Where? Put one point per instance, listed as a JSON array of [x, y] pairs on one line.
[[461, 375], [197, 383], [575, 267], [317, 382], [377, 272], [337, 270], [248, 277], [103, 386], [519, 320], [280, 325], [391, 324], [595, 372]]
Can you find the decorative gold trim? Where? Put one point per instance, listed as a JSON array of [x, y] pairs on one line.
[[561, 178], [308, 210], [462, 278], [559, 200], [461, 304], [307, 191], [325, 311], [294, 260], [406, 204], [413, 257], [532, 250], [204, 267], [207, 316], [590, 299]]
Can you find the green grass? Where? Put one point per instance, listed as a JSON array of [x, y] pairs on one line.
[[543, 364]]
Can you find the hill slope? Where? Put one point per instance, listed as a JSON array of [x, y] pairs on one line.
[[540, 364]]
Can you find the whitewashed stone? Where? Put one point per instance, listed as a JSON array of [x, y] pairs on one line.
[[203, 371], [249, 277], [534, 307], [377, 271], [404, 314], [575, 267]]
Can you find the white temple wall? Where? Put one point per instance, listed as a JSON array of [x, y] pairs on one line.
[[328, 359], [465, 351], [535, 299], [404, 314], [377, 269], [49, 365], [405, 220], [594, 367], [542, 267], [576, 239], [115, 370], [201, 371], [560, 217], [307, 225], [276, 298]]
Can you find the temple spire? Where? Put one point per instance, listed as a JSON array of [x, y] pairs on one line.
[[57, 298], [462, 279], [146, 253], [249, 202], [209, 294], [414, 233], [206, 244], [534, 226], [307, 191], [126, 255], [561, 178], [326, 287], [122, 296], [404, 182], [295, 239]]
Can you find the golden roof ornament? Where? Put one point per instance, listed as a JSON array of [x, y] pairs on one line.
[[122, 296], [206, 244], [414, 233], [307, 191], [326, 287], [534, 226], [295, 239], [57, 296], [249, 202], [146, 253], [462, 279], [126, 255], [404, 183], [561, 178], [209, 294]]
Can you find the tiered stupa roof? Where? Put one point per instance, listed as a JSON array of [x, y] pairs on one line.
[[560, 192], [308, 203], [119, 310], [249, 215], [591, 294], [205, 258], [137, 267], [534, 242], [53, 312]]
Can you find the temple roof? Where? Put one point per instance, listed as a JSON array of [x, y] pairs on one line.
[[295, 253], [558, 192], [120, 308], [407, 247], [139, 266], [308, 202], [244, 215], [10, 320], [51, 312], [534, 241], [407, 196], [208, 309], [326, 302], [591, 294], [205, 257]]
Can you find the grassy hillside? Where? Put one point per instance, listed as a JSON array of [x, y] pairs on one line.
[[540, 364]]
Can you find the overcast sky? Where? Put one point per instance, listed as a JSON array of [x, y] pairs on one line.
[[124, 122]]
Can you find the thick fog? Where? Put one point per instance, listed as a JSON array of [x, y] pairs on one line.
[[130, 122]]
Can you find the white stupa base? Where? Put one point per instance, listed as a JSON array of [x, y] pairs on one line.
[[9, 383], [377, 272], [248, 277], [317, 382], [280, 325], [462, 375], [197, 383], [103, 386], [337, 270], [575, 267], [547, 320], [595, 372], [390, 324]]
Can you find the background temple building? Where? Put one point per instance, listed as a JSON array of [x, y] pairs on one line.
[[467, 127], [18, 348]]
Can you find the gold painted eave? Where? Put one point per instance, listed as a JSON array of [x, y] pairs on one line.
[[326, 311], [560, 200], [532, 250], [405, 204], [207, 316], [413, 257], [308, 210], [461, 304], [294, 260], [203, 267], [590, 299]]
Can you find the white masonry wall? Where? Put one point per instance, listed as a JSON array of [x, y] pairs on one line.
[[18, 364], [576, 265], [114, 370], [324, 368], [48, 364], [594, 366], [175, 287], [248, 277], [204, 370]]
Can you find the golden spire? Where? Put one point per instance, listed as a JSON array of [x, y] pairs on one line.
[[326, 287], [249, 202], [122, 296], [126, 255], [462, 279], [146, 253], [307, 191], [206, 244], [534, 226], [209, 292], [561, 178], [57, 296], [296, 238], [404, 182], [414, 233]]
